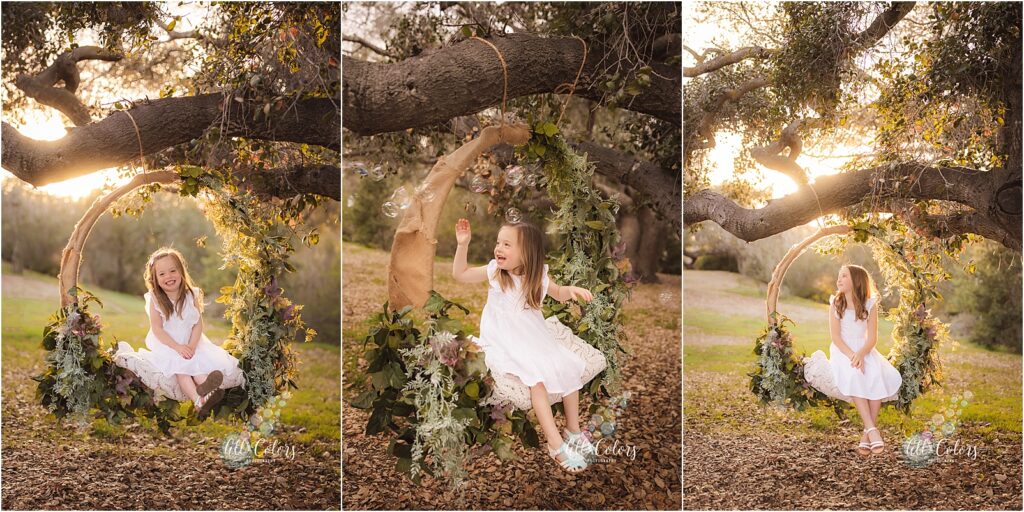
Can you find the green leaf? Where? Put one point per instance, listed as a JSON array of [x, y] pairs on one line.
[[595, 224], [365, 400], [473, 389], [170, 26]]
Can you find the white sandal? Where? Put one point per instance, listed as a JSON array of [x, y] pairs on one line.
[[577, 441], [864, 448], [573, 462], [876, 444]]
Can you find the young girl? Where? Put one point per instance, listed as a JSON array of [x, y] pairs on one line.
[[176, 341], [515, 338], [860, 371]]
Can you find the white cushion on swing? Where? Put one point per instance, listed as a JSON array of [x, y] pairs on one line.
[[818, 373], [508, 389], [163, 385]]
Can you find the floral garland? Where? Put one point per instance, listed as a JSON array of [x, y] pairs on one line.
[[909, 264], [81, 376], [591, 254], [426, 387]]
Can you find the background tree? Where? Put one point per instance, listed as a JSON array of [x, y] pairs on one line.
[[416, 84], [929, 94], [252, 90]]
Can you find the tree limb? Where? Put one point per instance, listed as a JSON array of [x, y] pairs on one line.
[[882, 24], [64, 69], [707, 66], [773, 156], [163, 123], [829, 194], [705, 132], [366, 44], [467, 77], [657, 185]]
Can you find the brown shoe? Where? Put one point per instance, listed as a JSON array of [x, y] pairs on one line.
[[210, 402], [212, 382]]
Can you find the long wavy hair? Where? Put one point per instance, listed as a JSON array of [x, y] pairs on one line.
[[531, 247], [863, 289], [158, 294]]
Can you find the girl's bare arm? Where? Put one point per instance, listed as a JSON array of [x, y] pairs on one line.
[[460, 267], [157, 326], [563, 293], [872, 334], [833, 328], [197, 330]]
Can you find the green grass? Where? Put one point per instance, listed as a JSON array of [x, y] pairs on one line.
[[996, 406], [315, 406]]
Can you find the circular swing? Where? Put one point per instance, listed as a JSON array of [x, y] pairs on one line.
[[783, 378], [82, 375]]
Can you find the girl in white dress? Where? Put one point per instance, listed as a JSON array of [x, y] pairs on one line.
[[177, 345], [860, 371], [515, 337]]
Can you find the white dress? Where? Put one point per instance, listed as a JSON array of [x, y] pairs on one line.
[[879, 380], [516, 340], [207, 358]]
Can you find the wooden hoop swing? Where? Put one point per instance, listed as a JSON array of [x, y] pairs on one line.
[[813, 370], [779, 273], [70, 265]]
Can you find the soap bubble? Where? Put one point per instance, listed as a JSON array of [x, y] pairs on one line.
[[531, 179], [426, 194], [607, 428], [514, 175], [401, 198], [513, 215], [666, 297], [351, 200], [379, 172], [479, 184], [389, 209], [359, 169]]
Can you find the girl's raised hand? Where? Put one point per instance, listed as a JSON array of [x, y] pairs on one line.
[[575, 292], [462, 232]]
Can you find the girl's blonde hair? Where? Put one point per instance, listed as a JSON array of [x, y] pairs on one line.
[[158, 294], [531, 245], [863, 289]]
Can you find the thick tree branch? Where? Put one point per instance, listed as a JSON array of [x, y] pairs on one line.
[[163, 123], [882, 24], [707, 66], [322, 180], [944, 226], [705, 132], [467, 77], [774, 157], [64, 69], [976, 189], [650, 180]]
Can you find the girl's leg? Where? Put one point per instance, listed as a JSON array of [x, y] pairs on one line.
[[571, 404], [542, 408], [187, 386], [876, 406], [865, 411], [199, 379]]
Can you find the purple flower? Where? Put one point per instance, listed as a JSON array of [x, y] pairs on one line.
[[920, 313], [619, 250], [498, 412], [288, 313], [271, 288], [629, 278]]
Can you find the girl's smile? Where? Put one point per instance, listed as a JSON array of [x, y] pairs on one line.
[[506, 249], [167, 275]]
